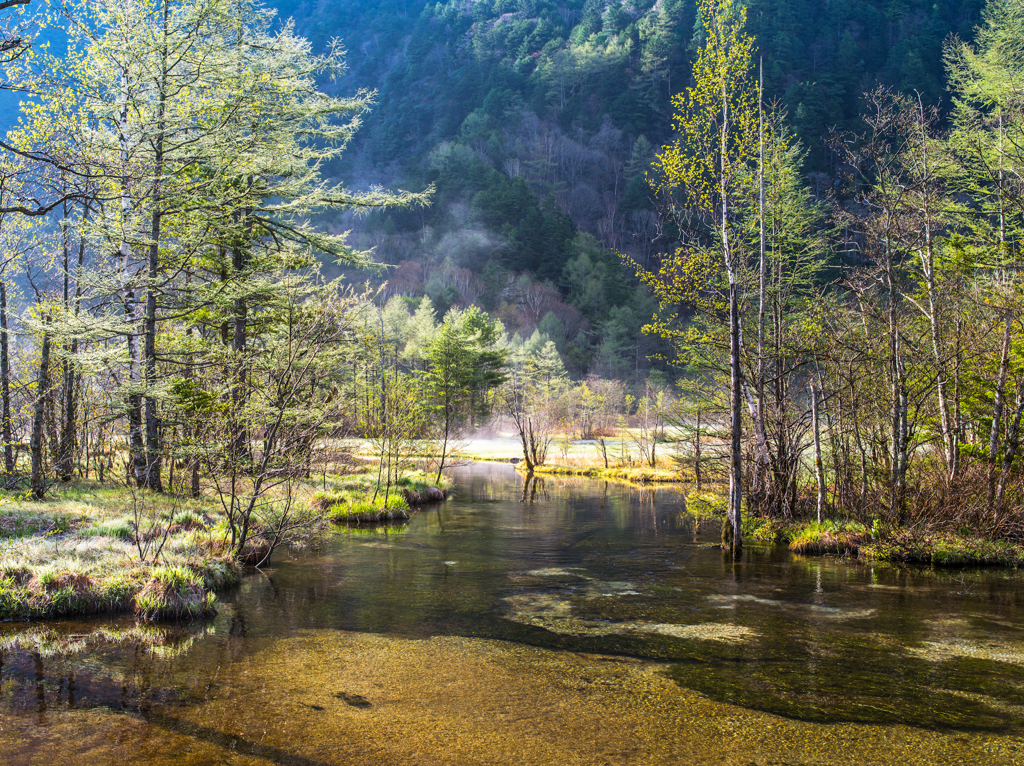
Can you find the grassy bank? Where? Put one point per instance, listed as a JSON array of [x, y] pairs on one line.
[[945, 550], [80, 553], [854, 539], [92, 548], [631, 474]]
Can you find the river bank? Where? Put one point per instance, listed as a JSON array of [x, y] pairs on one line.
[[96, 548], [807, 537], [628, 474], [853, 539]]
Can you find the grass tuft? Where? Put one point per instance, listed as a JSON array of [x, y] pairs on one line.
[[174, 593], [365, 510], [838, 538]]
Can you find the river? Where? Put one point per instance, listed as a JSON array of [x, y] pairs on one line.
[[575, 622]]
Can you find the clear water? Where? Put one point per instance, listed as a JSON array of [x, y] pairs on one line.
[[564, 621]]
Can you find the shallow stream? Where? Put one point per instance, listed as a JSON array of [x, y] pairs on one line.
[[560, 622]]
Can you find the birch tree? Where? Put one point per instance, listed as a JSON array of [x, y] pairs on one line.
[[701, 174]]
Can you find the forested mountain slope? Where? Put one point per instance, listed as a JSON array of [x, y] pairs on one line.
[[537, 120]]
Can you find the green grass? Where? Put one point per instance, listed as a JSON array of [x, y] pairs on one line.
[[174, 593], [21, 523], [945, 550], [365, 510], [121, 528], [838, 538], [75, 554], [43, 577], [852, 538], [707, 504], [366, 482], [630, 474], [764, 530], [349, 500]]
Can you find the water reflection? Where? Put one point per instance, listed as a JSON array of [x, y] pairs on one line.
[[576, 565]]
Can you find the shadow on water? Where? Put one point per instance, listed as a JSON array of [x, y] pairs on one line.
[[578, 566]]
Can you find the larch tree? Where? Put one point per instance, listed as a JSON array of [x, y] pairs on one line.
[[987, 143], [203, 132], [700, 177]]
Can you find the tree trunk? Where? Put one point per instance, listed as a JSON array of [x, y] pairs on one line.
[[154, 448], [153, 445], [5, 383], [696, 453], [734, 521], [997, 407], [39, 415], [136, 444], [72, 378], [761, 467], [240, 437], [736, 445], [1010, 452], [819, 470]]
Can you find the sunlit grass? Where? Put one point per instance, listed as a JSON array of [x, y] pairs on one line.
[[93, 548]]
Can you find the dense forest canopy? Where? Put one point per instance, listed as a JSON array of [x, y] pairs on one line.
[[537, 122]]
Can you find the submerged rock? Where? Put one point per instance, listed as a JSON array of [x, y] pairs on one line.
[[706, 631], [354, 700]]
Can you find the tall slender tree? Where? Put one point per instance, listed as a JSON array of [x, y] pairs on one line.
[[700, 177]]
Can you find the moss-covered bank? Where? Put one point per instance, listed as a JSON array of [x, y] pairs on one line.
[[901, 546]]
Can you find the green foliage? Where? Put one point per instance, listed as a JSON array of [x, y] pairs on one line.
[[952, 551], [356, 510], [483, 91], [832, 537]]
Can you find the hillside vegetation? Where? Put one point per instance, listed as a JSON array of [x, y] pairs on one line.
[[537, 121]]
